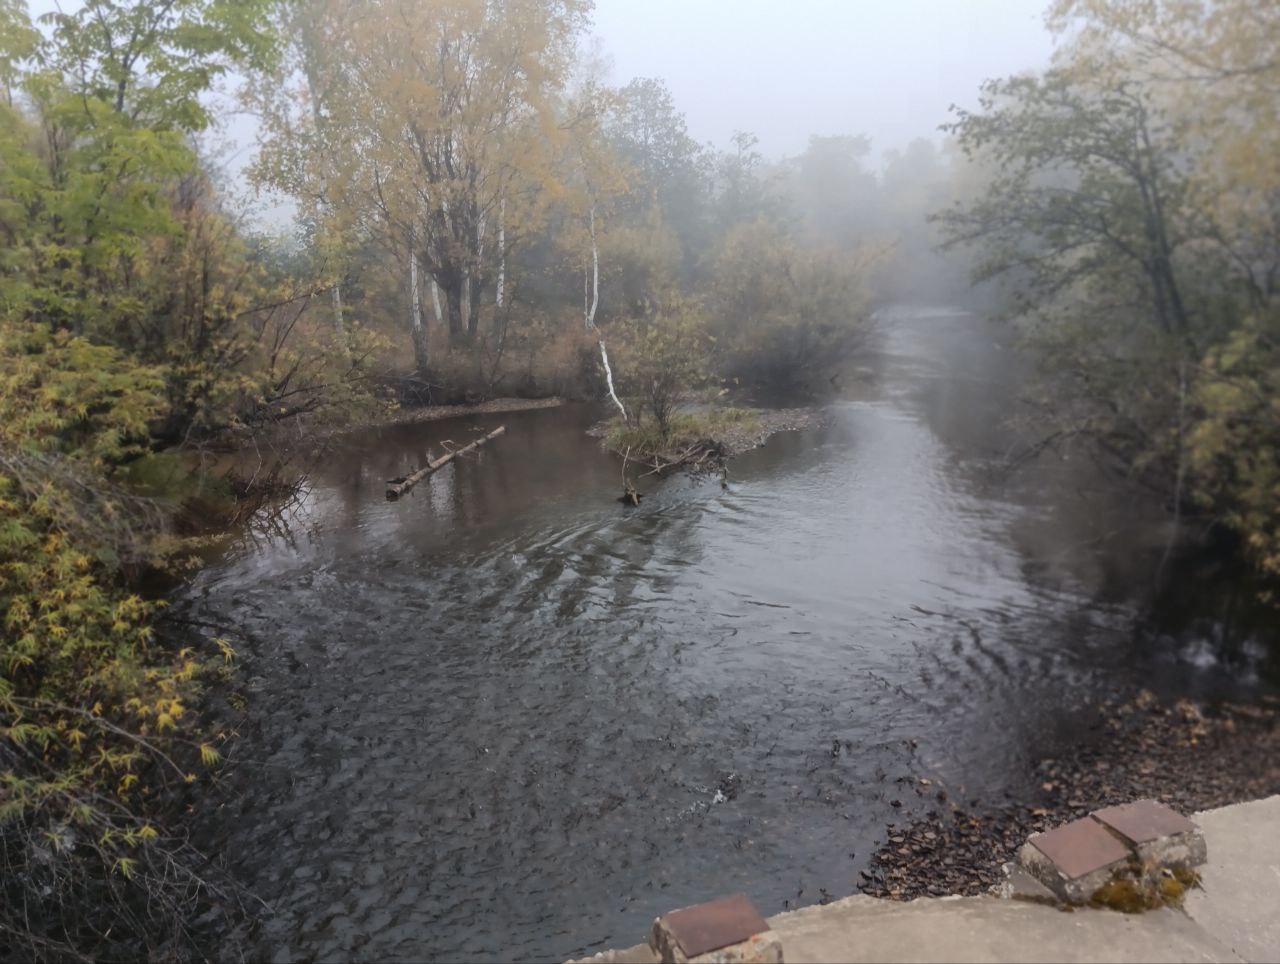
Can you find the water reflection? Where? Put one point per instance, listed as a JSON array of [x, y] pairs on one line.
[[505, 717]]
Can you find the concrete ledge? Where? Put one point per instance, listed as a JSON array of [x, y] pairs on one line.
[[981, 930], [639, 954], [987, 929], [1239, 903], [1235, 918]]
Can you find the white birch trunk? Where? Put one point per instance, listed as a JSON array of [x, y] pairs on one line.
[[500, 289], [337, 308], [608, 377], [415, 293], [595, 273], [435, 301]]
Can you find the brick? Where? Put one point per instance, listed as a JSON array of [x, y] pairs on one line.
[[1143, 821], [1156, 833], [726, 931], [1075, 859], [1079, 847]]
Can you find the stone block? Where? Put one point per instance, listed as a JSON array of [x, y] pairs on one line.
[[1155, 833], [725, 931], [1074, 860], [1018, 884]]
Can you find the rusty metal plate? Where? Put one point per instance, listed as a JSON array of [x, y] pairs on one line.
[[1144, 820], [1080, 847], [713, 925]]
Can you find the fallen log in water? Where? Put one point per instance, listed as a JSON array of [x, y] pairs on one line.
[[399, 488]]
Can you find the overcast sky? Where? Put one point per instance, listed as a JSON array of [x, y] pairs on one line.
[[785, 69]]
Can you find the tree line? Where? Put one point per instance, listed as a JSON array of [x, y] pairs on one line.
[[477, 210], [480, 210], [1130, 205]]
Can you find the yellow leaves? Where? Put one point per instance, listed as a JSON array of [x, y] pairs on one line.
[[125, 866], [186, 669], [1233, 444], [1214, 66], [127, 783], [209, 755], [226, 649]]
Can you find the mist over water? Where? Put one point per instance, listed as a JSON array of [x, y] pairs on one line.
[[505, 717], [1023, 256]]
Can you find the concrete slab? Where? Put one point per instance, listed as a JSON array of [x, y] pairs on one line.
[[1240, 901], [1235, 918], [639, 954], [985, 929]]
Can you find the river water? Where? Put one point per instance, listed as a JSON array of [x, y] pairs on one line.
[[505, 717]]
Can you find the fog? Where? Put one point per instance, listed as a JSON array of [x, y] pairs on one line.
[[878, 400], [785, 71]]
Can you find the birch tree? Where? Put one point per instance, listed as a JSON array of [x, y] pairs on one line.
[[446, 124]]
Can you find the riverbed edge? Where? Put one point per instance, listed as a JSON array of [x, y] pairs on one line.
[[738, 439], [1191, 756], [413, 415]]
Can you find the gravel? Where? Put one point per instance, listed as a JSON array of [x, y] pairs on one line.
[[1186, 755], [769, 422]]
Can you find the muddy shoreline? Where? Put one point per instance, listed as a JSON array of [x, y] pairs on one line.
[[1187, 755], [734, 440], [434, 413], [737, 440]]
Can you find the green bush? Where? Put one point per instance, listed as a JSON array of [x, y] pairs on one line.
[[95, 714], [683, 429], [663, 359], [786, 317]]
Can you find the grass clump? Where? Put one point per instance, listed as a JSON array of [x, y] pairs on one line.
[[647, 439]]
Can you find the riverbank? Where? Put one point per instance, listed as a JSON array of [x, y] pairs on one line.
[[434, 413], [716, 434], [1188, 756]]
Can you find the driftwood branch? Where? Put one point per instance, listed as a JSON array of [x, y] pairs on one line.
[[401, 486], [699, 457]]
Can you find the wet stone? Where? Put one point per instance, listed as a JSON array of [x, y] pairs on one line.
[[725, 931], [1074, 860]]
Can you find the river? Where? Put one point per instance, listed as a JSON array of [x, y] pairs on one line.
[[506, 717]]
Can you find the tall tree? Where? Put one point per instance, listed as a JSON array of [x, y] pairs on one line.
[[1135, 205], [443, 124]]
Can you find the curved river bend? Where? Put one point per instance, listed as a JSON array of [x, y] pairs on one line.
[[504, 717]]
